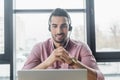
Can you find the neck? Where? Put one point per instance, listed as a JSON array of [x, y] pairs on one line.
[[56, 45]]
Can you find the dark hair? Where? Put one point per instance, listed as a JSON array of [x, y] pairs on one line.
[[60, 12]]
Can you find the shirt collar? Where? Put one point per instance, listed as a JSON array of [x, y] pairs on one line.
[[65, 46]]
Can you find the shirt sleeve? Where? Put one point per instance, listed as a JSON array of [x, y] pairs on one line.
[[33, 59], [88, 59]]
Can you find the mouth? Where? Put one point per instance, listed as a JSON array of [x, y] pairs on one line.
[[59, 36]]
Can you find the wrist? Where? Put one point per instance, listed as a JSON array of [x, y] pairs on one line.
[[73, 61]]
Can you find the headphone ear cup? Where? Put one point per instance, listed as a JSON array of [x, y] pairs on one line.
[[70, 28]]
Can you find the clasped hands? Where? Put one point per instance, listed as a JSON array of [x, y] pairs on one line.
[[59, 54]]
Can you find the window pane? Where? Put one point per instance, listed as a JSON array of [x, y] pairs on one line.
[[48, 4], [1, 26], [107, 23], [33, 28], [111, 70], [4, 72], [79, 26]]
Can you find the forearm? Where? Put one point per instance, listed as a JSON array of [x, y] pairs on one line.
[[42, 65], [92, 74]]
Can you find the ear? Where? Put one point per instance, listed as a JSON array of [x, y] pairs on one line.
[[70, 28]]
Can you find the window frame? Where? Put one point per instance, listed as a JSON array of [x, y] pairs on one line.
[[2, 56], [8, 29], [8, 56], [90, 24], [100, 56]]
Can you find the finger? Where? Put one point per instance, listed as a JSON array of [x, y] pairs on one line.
[[62, 51], [66, 59], [60, 47], [63, 58], [60, 59]]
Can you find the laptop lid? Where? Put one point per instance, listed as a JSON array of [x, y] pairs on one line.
[[53, 74]]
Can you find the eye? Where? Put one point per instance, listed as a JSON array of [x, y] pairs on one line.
[[54, 26], [64, 26]]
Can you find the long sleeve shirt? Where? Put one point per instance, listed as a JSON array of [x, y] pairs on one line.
[[77, 49]]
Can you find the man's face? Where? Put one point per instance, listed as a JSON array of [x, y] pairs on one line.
[[59, 26]]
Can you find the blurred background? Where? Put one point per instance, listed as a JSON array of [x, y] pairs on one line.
[[23, 23]]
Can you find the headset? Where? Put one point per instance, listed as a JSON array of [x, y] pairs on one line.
[[60, 12]]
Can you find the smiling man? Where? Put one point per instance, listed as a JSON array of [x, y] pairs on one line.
[[61, 52]]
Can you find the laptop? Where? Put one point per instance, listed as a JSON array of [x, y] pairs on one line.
[[53, 74]]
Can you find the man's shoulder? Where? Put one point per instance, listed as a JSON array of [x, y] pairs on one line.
[[44, 43], [81, 45], [76, 42]]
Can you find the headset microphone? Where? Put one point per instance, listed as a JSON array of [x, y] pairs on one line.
[[68, 39]]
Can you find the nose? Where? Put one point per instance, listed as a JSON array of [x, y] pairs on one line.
[[59, 30]]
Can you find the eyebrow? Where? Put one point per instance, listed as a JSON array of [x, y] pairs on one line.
[[53, 24], [64, 24], [61, 24]]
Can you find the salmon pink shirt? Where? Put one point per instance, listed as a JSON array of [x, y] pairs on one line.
[[76, 49]]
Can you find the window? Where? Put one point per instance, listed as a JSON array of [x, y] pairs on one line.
[[31, 23], [6, 40], [29, 32], [111, 70], [107, 30], [4, 72], [1, 26], [96, 22], [51, 4], [107, 24], [35, 18]]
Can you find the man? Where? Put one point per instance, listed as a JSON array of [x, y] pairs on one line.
[[61, 52]]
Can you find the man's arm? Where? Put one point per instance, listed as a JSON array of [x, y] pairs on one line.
[[54, 56], [87, 62], [60, 54], [92, 74]]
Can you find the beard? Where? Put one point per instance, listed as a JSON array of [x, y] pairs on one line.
[[59, 41], [59, 38]]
